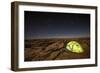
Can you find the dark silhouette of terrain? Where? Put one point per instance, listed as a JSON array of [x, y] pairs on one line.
[[54, 49]]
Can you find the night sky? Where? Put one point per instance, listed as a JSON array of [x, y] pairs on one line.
[[56, 25]]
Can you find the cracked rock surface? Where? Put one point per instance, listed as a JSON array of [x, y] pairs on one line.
[[54, 49]]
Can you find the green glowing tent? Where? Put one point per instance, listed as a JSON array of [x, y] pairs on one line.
[[75, 47]]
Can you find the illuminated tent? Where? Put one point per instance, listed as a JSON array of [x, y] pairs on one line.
[[75, 47]]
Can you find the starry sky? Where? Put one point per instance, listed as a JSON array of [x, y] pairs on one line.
[[55, 25]]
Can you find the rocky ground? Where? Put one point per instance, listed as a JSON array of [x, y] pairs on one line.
[[54, 49]]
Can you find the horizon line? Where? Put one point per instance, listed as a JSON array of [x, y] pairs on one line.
[[57, 38]]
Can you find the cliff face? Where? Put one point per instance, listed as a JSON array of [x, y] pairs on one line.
[[51, 49]]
